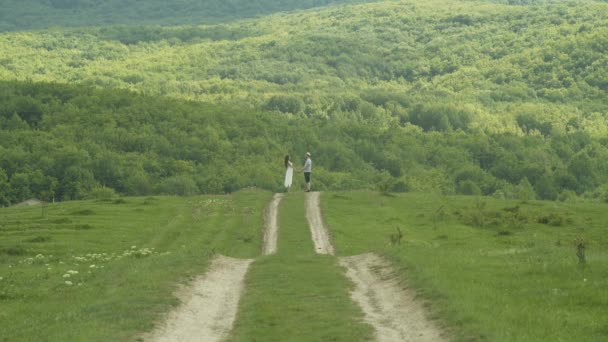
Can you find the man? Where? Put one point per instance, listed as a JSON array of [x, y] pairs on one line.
[[307, 171]]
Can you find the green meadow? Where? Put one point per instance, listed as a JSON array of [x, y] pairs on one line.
[[486, 269], [297, 293], [491, 270], [106, 270], [462, 140]]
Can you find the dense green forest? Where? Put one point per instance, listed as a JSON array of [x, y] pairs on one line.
[[70, 142], [504, 98], [441, 65]]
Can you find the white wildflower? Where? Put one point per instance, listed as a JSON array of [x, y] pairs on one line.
[[92, 266], [1, 278], [133, 247], [68, 283], [39, 256], [67, 275], [72, 272]]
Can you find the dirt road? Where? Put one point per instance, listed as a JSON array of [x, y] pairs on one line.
[[271, 226], [209, 305], [320, 235], [390, 308]]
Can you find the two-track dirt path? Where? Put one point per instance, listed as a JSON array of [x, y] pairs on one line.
[[210, 304], [391, 309]]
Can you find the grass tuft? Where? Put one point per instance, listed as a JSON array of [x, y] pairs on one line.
[[39, 239], [83, 212]]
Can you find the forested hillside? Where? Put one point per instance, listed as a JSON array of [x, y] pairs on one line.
[[441, 64], [70, 142], [40, 14], [492, 97]]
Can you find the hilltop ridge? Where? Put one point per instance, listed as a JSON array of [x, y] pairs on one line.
[[43, 14]]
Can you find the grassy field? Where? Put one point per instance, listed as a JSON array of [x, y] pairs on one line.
[[105, 271], [492, 270], [297, 293]]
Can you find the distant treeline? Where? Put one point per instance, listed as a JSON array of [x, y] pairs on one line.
[[41, 14], [70, 142]]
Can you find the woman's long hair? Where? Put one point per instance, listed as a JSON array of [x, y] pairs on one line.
[[287, 161]]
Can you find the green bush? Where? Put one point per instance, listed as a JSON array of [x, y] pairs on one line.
[[179, 185], [102, 193], [468, 187]]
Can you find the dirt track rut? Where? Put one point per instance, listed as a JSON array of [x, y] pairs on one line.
[[320, 235], [271, 229], [209, 305], [390, 308]]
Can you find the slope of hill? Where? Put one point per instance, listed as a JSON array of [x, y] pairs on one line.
[[41, 14], [441, 64], [71, 142]]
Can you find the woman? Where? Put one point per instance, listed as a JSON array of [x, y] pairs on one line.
[[288, 173]]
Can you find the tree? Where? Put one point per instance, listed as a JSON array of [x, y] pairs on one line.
[[4, 189], [285, 104], [524, 190]]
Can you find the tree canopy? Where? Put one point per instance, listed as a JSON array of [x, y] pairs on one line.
[[504, 98]]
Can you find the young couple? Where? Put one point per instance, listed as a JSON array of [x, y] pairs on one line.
[[289, 173]]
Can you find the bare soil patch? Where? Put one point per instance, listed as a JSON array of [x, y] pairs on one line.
[[209, 305], [271, 226], [390, 308], [320, 235], [29, 203]]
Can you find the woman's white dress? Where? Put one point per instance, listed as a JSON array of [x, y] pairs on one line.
[[289, 175]]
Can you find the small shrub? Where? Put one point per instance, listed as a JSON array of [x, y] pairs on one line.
[[102, 193], [395, 238], [580, 250], [400, 186], [149, 200], [179, 185], [39, 239], [83, 227], [499, 194], [468, 187], [552, 219], [14, 251], [341, 196], [567, 196]]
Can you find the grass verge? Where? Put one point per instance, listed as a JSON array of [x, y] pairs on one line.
[[492, 270], [106, 270], [297, 295]]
